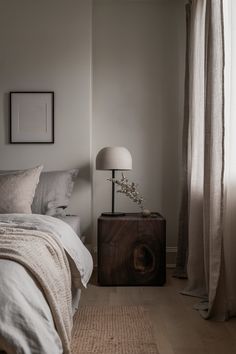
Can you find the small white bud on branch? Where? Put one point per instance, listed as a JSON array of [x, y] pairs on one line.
[[129, 189]]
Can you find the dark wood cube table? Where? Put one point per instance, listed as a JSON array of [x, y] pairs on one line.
[[132, 250]]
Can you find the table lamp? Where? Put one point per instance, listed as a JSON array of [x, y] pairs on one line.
[[115, 158]]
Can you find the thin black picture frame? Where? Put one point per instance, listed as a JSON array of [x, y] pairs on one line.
[[52, 141]]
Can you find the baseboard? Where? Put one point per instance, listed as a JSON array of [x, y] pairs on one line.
[[171, 253]]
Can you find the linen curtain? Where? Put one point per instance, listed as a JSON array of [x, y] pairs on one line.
[[205, 227], [181, 260]]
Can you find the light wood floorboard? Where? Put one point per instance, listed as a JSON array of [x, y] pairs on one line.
[[178, 328]]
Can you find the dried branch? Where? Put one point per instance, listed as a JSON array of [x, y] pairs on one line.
[[129, 189]]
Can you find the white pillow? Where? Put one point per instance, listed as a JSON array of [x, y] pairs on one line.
[[53, 192], [17, 190]]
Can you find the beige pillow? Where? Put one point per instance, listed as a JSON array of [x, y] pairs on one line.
[[17, 190]]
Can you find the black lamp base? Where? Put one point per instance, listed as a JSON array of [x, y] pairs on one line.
[[115, 214]]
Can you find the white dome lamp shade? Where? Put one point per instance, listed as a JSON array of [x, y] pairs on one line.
[[116, 158]]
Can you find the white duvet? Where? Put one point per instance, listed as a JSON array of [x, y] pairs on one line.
[[26, 323]]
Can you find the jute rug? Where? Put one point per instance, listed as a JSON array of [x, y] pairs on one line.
[[113, 330]]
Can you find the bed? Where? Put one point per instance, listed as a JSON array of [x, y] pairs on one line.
[[43, 266]]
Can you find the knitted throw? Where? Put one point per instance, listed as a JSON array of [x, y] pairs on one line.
[[44, 257]]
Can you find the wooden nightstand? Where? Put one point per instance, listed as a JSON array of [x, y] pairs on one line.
[[131, 250]]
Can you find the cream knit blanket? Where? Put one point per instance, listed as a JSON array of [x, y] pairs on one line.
[[44, 257]]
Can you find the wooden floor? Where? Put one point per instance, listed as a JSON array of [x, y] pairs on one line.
[[179, 329]]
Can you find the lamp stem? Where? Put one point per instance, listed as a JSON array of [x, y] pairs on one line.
[[113, 192]]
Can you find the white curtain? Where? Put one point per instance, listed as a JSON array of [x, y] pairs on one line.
[[210, 164], [229, 245]]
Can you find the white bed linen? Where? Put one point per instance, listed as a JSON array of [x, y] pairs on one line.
[[26, 323], [73, 221]]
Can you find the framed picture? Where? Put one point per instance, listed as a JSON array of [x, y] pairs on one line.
[[31, 117]]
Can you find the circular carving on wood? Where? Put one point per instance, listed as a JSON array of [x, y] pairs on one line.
[[144, 259]]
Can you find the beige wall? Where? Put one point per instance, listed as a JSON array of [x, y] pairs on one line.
[[46, 45], [138, 59], [138, 71]]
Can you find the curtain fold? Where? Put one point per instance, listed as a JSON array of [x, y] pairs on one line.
[[181, 260], [201, 222]]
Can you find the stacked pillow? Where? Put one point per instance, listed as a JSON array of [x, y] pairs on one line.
[[54, 191], [17, 190], [32, 191]]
